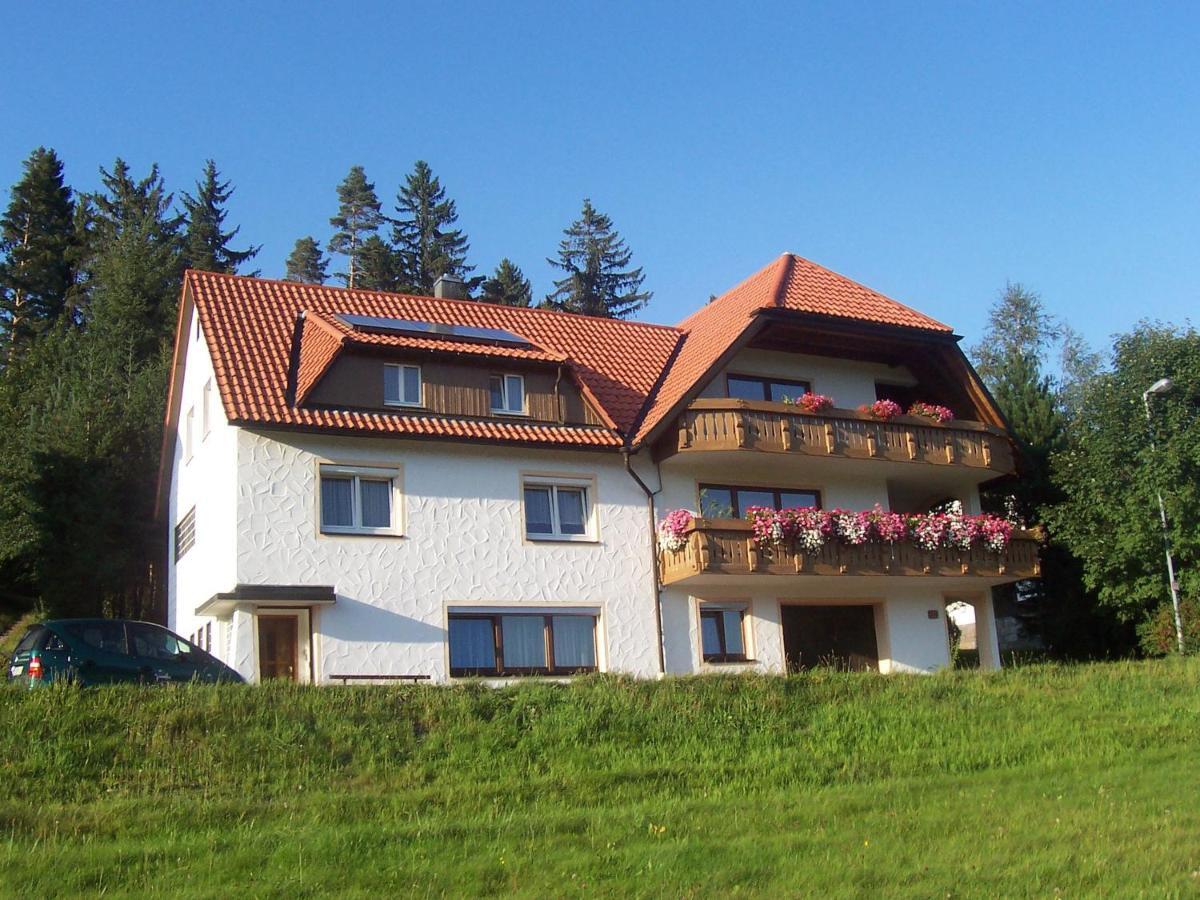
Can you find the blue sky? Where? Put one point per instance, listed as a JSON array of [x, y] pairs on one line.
[[932, 151]]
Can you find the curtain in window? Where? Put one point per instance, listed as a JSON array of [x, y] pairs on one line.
[[472, 645], [412, 384], [571, 513], [537, 511], [497, 390], [734, 645], [710, 635], [391, 384], [376, 500], [337, 501], [574, 642], [524, 641], [514, 393]]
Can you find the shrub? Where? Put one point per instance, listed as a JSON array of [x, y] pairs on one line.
[[1157, 633]]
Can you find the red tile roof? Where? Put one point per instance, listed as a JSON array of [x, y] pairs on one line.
[[250, 327], [635, 373], [789, 283]]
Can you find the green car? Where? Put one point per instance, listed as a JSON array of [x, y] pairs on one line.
[[111, 651]]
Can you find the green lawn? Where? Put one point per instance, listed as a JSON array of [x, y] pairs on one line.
[[1041, 781]]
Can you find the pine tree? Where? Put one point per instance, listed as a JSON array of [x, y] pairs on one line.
[[508, 286], [596, 260], [306, 264], [206, 246], [423, 235], [358, 217], [39, 250]]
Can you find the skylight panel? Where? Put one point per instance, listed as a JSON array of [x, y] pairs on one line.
[[468, 333]]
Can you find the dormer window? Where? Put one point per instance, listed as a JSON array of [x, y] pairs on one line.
[[402, 385], [508, 395], [754, 387]]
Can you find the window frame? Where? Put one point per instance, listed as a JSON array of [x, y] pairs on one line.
[[765, 383], [356, 475], [206, 410], [189, 440], [717, 611], [733, 489], [185, 534], [411, 404], [500, 671], [505, 410], [586, 485]]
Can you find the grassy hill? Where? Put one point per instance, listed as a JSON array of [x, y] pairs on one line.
[[1036, 781]]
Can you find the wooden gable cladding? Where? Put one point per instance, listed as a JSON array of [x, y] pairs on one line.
[[453, 388]]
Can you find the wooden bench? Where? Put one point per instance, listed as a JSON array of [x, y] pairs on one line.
[[346, 679]]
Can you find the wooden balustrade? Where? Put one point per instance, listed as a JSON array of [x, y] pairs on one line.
[[724, 424], [727, 547]]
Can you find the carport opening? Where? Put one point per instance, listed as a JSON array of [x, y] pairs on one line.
[[839, 637]]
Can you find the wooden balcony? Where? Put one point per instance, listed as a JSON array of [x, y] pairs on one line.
[[719, 424], [727, 547]]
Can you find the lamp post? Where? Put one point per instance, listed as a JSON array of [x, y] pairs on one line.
[[1162, 386]]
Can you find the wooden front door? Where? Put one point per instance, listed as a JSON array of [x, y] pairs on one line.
[[839, 636], [278, 647]]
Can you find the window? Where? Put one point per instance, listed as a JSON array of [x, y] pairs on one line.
[[517, 643], [508, 394], [402, 385], [722, 633], [188, 423], [902, 394], [108, 636], [185, 534], [753, 387], [152, 642], [208, 637], [358, 501], [720, 501], [206, 409], [557, 510]]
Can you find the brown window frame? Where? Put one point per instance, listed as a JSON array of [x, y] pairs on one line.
[[719, 614], [733, 492], [766, 383], [500, 671]]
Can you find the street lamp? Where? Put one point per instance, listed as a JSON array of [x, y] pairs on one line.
[[1163, 386]]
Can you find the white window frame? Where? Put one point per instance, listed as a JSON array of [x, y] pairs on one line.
[[189, 421], [206, 409], [587, 485], [741, 606], [420, 385], [505, 410], [357, 474]]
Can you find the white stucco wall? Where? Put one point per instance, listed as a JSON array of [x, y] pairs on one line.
[[463, 543], [848, 382], [209, 482]]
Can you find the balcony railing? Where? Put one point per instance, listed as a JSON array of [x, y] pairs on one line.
[[723, 424], [727, 547]]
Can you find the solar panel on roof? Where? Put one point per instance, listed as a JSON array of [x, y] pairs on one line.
[[383, 325]]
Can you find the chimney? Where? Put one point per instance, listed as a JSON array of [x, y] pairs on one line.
[[449, 287]]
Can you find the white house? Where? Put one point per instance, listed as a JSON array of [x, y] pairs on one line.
[[368, 484]]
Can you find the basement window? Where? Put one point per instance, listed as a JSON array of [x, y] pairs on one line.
[[508, 395], [515, 643], [358, 500], [402, 385], [723, 633]]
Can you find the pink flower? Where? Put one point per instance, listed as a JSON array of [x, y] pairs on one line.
[[812, 403], [881, 409], [674, 528], [931, 411]]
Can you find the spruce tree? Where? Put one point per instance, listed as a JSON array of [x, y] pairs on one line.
[[379, 266], [423, 234], [205, 245], [508, 286], [598, 279], [358, 217], [39, 251], [306, 264]]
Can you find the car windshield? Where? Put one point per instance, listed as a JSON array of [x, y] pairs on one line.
[[157, 643]]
